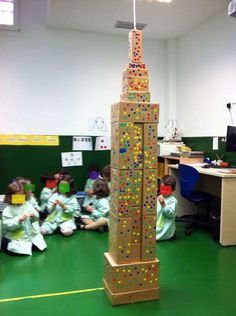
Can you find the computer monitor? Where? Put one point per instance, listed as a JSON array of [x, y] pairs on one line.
[[230, 145]]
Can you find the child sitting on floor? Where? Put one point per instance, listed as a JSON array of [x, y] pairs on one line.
[[63, 208], [93, 174], [106, 175], [29, 188], [97, 219], [50, 184], [166, 209], [20, 222]]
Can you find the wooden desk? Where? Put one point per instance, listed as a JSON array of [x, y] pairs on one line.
[[221, 185], [173, 159]]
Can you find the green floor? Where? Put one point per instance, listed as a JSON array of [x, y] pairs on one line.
[[198, 277]]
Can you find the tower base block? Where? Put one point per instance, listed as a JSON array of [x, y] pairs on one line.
[[131, 282], [131, 297]]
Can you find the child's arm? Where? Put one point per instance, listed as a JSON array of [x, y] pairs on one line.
[[45, 195], [52, 202], [102, 208], [89, 187], [71, 206], [34, 203], [161, 200], [170, 209], [11, 222]]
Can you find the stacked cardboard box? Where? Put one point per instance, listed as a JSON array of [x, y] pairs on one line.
[[131, 266]]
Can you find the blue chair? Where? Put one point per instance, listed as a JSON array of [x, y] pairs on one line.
[[188, 178]]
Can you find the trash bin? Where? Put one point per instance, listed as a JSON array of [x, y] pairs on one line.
[[215, 218]]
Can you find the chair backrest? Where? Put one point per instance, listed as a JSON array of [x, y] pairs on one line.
[[188, 177]]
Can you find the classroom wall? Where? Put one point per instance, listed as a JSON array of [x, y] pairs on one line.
[[206, 77], [53, 80], [33, 161]]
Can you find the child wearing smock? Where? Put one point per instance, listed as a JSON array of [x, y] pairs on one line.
[[50, 184], [93, 174], [166, 209], [97, 218], [28, 189], [106, 175], [20, 223], [62, 208]]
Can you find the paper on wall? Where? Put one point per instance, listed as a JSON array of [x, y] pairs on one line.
[[31, 140], [71, 159], [97, 124], [82, 143], [103, 143]]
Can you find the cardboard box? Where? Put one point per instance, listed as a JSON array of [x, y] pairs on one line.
[[137, 112], [136, 225], [135, 84], [136, 251], [148, 251], [135, 46], [122, 136], [135, 72], [136, 66], [128, 283], [149, 192], [126, 191], [120, 233], [135, 96], [131, 297], [150, 146]]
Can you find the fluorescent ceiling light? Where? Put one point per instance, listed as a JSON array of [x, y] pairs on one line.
[[129, 25], [167, 1]]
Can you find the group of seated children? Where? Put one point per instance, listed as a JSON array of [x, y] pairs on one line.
[[59, 209]]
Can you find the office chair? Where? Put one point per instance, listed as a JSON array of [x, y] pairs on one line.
[[188, 178]]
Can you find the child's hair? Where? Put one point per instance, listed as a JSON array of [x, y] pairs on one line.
[[47, 176], [169, 180], [62, 173], [106, 172], [100, 188], [22, 182], [12, 188], [71, 182], [93, 167]]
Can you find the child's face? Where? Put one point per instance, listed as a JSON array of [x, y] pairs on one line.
[[51, 184], [64, 187], [165, 190], [18, 197], [93, 175]]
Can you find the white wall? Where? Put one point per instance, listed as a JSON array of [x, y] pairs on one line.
[[206, 78], [52, 81]]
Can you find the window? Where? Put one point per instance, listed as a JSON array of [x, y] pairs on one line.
[[9, 14]]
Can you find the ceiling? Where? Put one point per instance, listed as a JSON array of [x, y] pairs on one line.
[[163, 20]]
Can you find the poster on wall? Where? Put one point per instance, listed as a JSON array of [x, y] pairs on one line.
[[71, 159], [30, 140], [82, 143], [103, 143], [97, 124]]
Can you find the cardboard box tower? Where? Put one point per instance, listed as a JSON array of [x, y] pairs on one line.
[[131, 268]]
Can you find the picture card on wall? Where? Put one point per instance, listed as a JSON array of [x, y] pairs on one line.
[[103, 143], [71, 159], [97, 124], [82, 143]]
